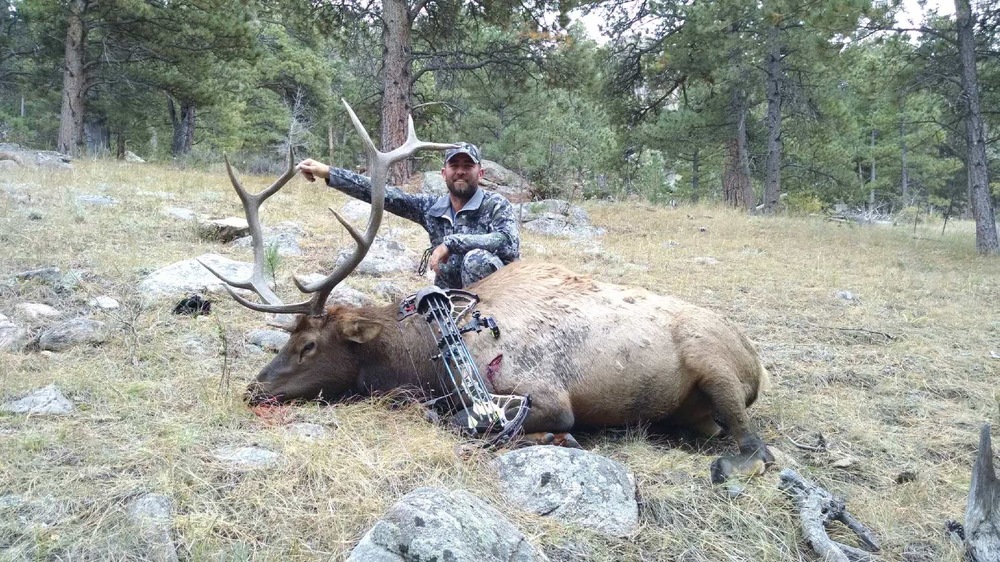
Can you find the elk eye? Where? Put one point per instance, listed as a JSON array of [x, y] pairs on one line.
[[309, 347]]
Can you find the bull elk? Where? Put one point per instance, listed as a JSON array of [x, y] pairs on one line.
[[587, 353]]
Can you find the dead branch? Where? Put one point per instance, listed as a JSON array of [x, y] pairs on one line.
[[817, 508], [820, 446], [982, 512], [870, 333]]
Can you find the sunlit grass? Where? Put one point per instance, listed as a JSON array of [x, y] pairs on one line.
[[899, 378]]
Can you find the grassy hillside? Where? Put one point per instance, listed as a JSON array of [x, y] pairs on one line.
[[897, 379]]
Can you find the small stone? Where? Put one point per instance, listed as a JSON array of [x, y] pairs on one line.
[[35, 216], [268, 340], [97, 200], [846, 296], [48, 274], [180, 213], [46, 400], [247, 458], [845, 462], [734, 490], [78, 331], [307, 430], [104, 302], [706, 260], [37, 310]]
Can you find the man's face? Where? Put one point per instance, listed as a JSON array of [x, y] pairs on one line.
[[461, 175]]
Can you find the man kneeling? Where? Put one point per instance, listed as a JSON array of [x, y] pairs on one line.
[[473, 232]]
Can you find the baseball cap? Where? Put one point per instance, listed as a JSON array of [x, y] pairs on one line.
[[463, 148]]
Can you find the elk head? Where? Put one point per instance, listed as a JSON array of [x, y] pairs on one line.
[[321, 355]]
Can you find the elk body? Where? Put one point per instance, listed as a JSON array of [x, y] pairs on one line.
[[587, 353]]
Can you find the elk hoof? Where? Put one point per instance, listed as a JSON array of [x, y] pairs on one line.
[[565, 440], [745, 465]]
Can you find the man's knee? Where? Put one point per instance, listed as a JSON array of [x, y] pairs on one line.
[[477, 264]]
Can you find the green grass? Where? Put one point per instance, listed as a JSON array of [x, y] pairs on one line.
[[152, 406]]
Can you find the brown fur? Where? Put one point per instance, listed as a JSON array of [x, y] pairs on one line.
[[586, 352]]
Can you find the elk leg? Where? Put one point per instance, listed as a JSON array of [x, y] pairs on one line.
[[729, 403]]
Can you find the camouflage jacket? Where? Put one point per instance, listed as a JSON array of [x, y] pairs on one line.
[[487, 221]]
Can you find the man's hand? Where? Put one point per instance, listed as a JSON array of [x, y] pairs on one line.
[[438, 257], [312, 169]]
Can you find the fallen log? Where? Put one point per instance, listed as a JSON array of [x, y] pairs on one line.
[[982, 512], [818, 508]]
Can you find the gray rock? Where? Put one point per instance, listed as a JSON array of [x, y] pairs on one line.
[[268, 340], [74, 332], [46, 274], [555, 217], [133, 157], [223, 230], [433, 183], [189, 276], [341, 294], [310, 431], [385, 257], [152, 515], [435, 524], [103, 301], [286, 238], [706, 260], [180, 213], [846, 296], [46, 400], [9, 165], [356, 211], [388, 290], [247, 458], [97, 200], [571, 485], [12, 336], [505, 182], [37, 310]]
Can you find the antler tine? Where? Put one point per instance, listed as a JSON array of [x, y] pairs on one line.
[[256, 282], [378, 166]]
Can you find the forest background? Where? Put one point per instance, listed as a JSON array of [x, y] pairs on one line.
[[769, 106]]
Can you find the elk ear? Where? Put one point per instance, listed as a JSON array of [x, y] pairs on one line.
[[359, 330]]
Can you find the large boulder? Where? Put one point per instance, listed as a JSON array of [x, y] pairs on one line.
[[71, 333], [189, 276], [35, 158], [12, 336], [555, 217], [48, 400], [505, 182], [571, 485], [433, 183], [285, 235], [385, 257], [433, 524], [223, 230]]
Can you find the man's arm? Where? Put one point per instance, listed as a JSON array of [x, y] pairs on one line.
[[397, 201], [501, 235]]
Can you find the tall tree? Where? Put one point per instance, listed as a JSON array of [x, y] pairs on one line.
[[976, 162]]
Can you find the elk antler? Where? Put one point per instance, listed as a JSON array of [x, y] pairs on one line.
[[378, 164]]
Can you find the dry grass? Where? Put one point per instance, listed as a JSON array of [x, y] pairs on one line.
[[153, 406]]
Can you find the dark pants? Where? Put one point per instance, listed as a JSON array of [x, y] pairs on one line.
[[463, 270]]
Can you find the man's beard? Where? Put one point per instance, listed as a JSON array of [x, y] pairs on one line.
[[462, 189]]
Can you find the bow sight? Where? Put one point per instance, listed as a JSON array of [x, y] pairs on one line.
[[470, 403]]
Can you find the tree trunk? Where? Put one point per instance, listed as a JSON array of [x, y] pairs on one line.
[[736, 186], [120, 147], [772, 166], [183, 124], [695, 176], [397, 73], [871, 176], [979, 185], [905, 172], [70, 138]]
